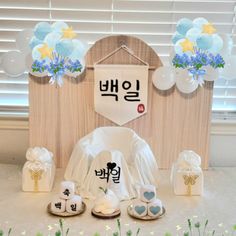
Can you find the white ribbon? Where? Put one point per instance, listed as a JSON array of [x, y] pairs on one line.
[[39, 154], [188, 161], [38, 158]]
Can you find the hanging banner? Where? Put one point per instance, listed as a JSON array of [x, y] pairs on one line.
[[120, 91]]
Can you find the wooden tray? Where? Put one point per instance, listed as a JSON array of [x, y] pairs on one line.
[[130, 212], [66, 214], [108, 216]]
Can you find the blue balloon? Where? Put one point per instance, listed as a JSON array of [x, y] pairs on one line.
[[184, 25], [217, 44], [59, 26], [64, 47], [34, 42], [176, 37], [52, 39], [199, 22], [42, 29], [204, 41], [178, 48], [193, 34], [79, 50]]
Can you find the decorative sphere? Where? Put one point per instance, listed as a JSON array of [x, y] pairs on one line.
[[64, 47], [193, 34], [204, 41], [176, 37], [184, 25], [199, 22], [34, 42], [42, 29], [217, 44]]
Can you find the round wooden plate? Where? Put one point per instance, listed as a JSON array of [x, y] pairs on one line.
[[66, 214], [108, 216], [130, 212]]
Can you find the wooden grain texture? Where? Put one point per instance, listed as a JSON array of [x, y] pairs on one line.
[[59, 117]]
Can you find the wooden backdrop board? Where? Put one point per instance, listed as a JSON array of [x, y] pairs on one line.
[[59, 117]]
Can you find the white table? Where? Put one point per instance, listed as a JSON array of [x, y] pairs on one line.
[[26, 212]]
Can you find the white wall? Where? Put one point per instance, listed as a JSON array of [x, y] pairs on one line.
[[223, 150], [14, 142]]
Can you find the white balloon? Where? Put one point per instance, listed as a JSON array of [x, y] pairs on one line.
[[29, 62], [227, 44], [75, 74], [23, 40], [229, 70], [212, 74], [13, 63], [184, 82], [163, 77]]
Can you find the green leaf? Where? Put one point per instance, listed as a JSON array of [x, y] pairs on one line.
[[9, 232], [39, 234], [197, 225], [58, 233], [168, 234], [96, 234], [186, 233], [234, 227], [1, 233], [115, 234], [129, 233], [118, 224], [137, 233], [189, 224]]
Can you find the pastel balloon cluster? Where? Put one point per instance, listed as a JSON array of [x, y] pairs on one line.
[[197, 57], [57, 38], [197, 34], [14, 62]]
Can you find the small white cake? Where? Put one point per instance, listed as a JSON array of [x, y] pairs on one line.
[[147, 193], [58, 205], [155, 208], [107, 204], [139, 208], [67, 190], [74, 204]]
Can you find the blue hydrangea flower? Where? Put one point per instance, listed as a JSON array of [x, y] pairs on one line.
[[74, 66], [39, 66], [195, 63]]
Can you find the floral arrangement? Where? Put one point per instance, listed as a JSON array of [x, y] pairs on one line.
[[195, 63], [197, 45], [56, 52], [194, 229]]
